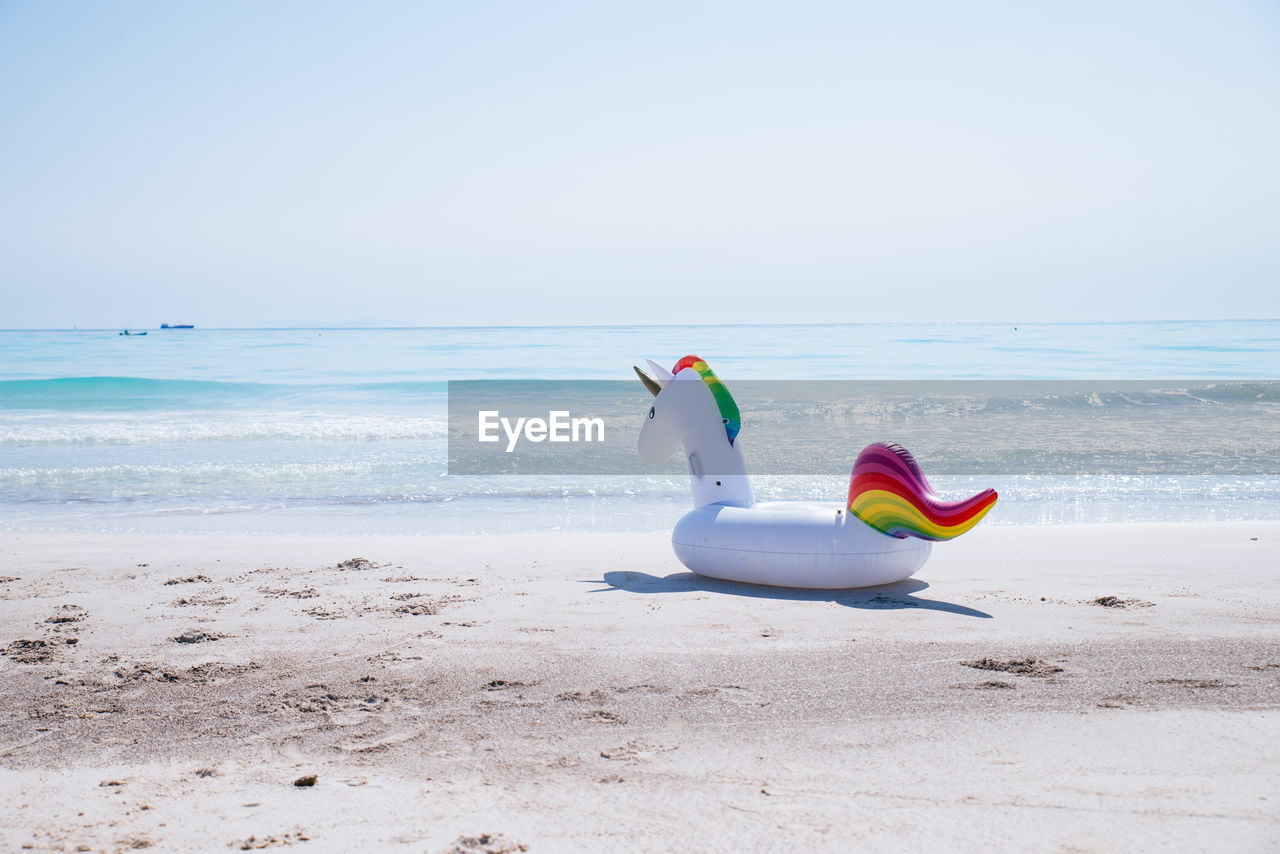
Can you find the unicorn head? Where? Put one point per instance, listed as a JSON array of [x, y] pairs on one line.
[[693, 408]]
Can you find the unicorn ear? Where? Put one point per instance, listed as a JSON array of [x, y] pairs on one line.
[[660, 373]]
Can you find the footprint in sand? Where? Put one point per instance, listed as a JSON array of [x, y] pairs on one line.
[[280, 593], [1117, 602], [194, 636], [419, 609], [636, 751], [68, 614], [596, 696], [1180, 682], [358, 564], [485, 843], [1016, 666], [423, 605], [324, 614], [270, 841], [210, 601], [602, 716], [190, 579], [24, 651]]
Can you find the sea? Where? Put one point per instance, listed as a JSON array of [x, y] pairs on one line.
[[344, 431]]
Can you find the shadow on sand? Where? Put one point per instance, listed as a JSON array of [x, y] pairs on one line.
[[886, 596]]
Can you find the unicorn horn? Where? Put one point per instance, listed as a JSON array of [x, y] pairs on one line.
[[649, 382]]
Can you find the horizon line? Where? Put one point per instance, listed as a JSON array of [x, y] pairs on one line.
[[353, 327]]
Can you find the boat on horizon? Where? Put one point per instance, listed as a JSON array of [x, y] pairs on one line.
[[127, 332], [177, 326]]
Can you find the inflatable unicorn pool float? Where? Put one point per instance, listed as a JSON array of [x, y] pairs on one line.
[[883, 534]]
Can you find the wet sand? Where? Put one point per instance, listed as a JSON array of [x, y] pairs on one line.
[[1060, 688]]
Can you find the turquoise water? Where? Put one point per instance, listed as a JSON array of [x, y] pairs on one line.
[[343, 430]]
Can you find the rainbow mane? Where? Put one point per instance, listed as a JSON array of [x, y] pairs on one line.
[[728, 408], [890, 493]]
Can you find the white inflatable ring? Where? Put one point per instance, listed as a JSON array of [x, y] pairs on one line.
[[794, 545]]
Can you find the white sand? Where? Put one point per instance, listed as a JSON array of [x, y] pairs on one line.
[[566, 696]]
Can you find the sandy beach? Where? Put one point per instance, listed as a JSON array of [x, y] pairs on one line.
[[1075, 688]]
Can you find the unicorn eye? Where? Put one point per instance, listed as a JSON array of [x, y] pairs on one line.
[[650, 411]]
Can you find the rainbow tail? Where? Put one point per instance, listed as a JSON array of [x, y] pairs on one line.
[[889, 492]]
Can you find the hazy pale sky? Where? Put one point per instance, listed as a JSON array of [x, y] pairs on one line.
[[247, 163]]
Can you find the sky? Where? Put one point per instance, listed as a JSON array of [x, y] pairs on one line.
[[307, 163]]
